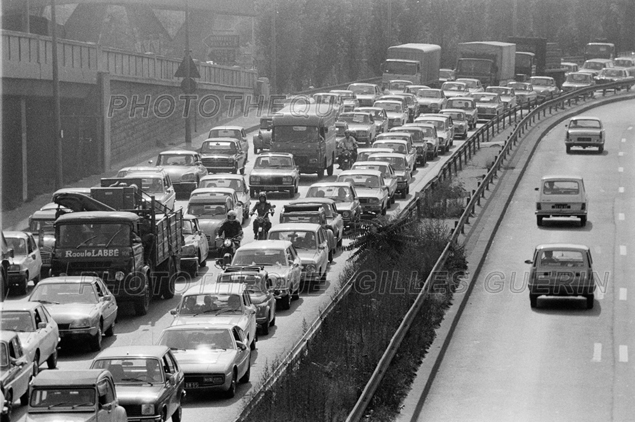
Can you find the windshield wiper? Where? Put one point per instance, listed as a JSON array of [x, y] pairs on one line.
[[113, 237], [87, 240], [60, 404], [46, 301], [226, 310], [83, 404]]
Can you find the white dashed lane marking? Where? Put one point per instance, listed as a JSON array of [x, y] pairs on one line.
[[623, 353], [621, 153], [597, 352], [620, 169], [622, 249], [622, 293], [621, 189], [621, 216]]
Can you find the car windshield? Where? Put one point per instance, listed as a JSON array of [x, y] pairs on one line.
[[485, 98], [469, 83], [520, 87], [89, 235], [561, 258], [561, 187], [541, 81], [207, 303], [367, 181], [382, 168], [175, 160], [355, 118], [41, 225], [436, 123], [132, 370], [398, 85], [224, 133], [395, 146], [337, 193], [218, 147], [295, 134], [20, 321], [273, 162], [455, 116], [213, 210], [585, 123], [253, 282], [429, 93], [464, 104], [390, 106], [362, 89], [499, 90], [377, 114], [18, 244], [58, 397], [453, 86], [613, 72], [301, 239], [398, 163], [624, 62], [579, 77], [197, 338], [63, 293], [188, 226], [220, 182], [593, 65], [260, 257]]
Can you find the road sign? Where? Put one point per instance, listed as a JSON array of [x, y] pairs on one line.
[[188, 85], [181, 71], [222, 41]]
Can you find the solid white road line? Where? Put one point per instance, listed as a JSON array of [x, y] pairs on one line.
[[620, 169], [621, 216], [622, 293], [599, 293], [623, 139], [623, 353], [621, 189], [622, 249], [621, 153], [597, 352], [630, 128]]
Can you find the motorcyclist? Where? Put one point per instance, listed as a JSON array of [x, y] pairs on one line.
[[349, 143], [263, 208], [231, 228]]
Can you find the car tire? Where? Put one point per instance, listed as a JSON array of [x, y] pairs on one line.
[[142, 305], [601, 150], [178, 414], [296, 294], [24, 398], [95, 341], [231, 392], [111, 330], [539, 220], [533, 300], [329, 169], [568, 148], [590, 299], [245, 378], [331, 253], [272, 323], [51, 362], [22, 288], [285, 302], [202, 262], [384, 210], [252, 345], [36, 363], [583, 221], [264, 328], [320, 173], [339, 241], [36, 280]]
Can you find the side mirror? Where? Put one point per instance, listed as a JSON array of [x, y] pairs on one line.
[[536, 189], [171, 379], [41, 325], [241, 345], [106, 406], [149, 161], [528, 261], [173, 312]]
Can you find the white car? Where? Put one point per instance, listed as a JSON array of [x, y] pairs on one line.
[[26, 263], [195, 247], [232, 181], [395, 111], [236, 132]]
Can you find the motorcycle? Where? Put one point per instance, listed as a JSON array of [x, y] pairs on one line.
[[263, 224], [346, 160], [227, 249]]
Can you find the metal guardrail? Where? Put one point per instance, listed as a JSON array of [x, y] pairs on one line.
[[556, 103]]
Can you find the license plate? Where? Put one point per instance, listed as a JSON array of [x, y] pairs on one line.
[[191, 385], [561, 206]]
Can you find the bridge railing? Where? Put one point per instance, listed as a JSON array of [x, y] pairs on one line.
[[33, 53]]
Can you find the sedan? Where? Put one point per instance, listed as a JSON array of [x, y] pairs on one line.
[[395, 111], [445, 129], [469, 106], [26, 263], [371, 189], [235, 132], [524, 91], [459, 120], [430, 100], [577, 80], [544, 86], [274, 171], [195, 247], [397, 86], [232, 181], [585, 132], [223, 155], [82, 306], [212, 357], [365, 93], [362, 124], [333, 220], [345, 196], [400, 146], [402, 170], [184, 167], [310, 241], [508, 96], [430, 144], [218, 304], [488, 105], [473, 85], [455, 89], [447, 75], [156, 183], [217, 192], [36, 328], [16, 372], [150, 384], [379, 117], [387, 172]]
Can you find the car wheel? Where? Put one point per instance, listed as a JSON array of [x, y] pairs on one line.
[[252, 345], [273, 321], [331, 255], [95, 342], [177, 415], [24, 398], [202, 262], [296, 294], [590, 299], [264, 328], [142, 305], [22, 288], [231, 392], [51, 362], [36, 363], [329, 169], [339, 241], [285, 302], [539, 220], [583, 221], [111, 330], [36, 280], [568, 149], [245, 378], [601, 149], [533, 300]]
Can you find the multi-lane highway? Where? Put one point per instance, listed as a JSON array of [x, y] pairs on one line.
[[559, 361], [133, 330]]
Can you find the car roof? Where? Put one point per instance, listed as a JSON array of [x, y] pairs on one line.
[[452, 110], [14, 305], [389, 154], [562, 246], [227, 128], [276, 154], [586, 118], [179, 152], [144, 174], [360, 172], [220, 288], [69, 377], [327, 184], [370, 163], [405, 129], [313, 201], [388, 139], [210, 140], [461, 98], [202, 325], [466, 79], [222, 176], [228, 191], [133, 351], [389, 101], [561, 177], [312, 227], [16, 234], [69, 279], [368, 108], [266, 244], [112, 216]]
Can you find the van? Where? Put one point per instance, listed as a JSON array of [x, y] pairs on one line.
[[562, 196]]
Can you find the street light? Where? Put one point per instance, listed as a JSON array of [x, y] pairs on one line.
[[57, 120]]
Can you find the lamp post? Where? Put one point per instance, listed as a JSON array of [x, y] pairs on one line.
[[188, 126], [57, 120], [274, 85]]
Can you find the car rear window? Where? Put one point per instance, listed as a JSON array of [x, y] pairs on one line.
[[561, 187], [561, 258]]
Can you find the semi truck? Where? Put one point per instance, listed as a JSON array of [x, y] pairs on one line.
[[491, 62], [537, 57], [132, 246], [418, 63], [599, 50]]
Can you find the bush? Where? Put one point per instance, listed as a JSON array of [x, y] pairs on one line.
[[446, 200]]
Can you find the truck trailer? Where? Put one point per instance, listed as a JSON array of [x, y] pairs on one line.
[[537, 57], [418, 63], [491, 62]]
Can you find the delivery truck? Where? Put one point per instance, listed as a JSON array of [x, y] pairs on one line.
[[418, 63], [491, 62], [537, 57]]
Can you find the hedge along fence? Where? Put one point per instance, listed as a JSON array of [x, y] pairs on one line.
[[554, 104]]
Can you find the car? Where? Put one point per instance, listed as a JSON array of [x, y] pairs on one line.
[[594, 66], [468, 105], [430, 145], [365, 93], [155, 183], [26, 263], [80, 394], [402, 171], [41, 227], [614, 74], [184, 167], [363, 153], [624, 61], [149, 382], [545, 86], [37, 330], [220, 192], [260, 292], [447, 75], [280, 259], [473, 85], [577, 80], [396, 86], [371, 189], [322, 211], [262, 140], [430, 100], [585, 132], [395, 111], [232, 181], [561, 269], [412, 89], [445, 129], [226, 303], [223, 155], [195, 248], [387, 173], [344, 195], [311, 243], [213, 358], [349, 100], [401, 143], [570, 67], [562, 196], [333, 100], [210, 206], [300, 101], [488, 105], [418, 140], [274, 172], [455, 89], [362, 124], [459, 121], [82, 306], [123, 172], [379, 117], [236, 132], [409, 102], [16, 372], [508, 96], [524, 92]]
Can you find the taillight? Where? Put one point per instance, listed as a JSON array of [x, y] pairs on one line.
[[600, 136], [583, 208], [538, 208]]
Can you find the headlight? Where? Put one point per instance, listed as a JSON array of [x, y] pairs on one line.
[[400, 179], [254, 179], [227, 243], [188, 250], [373, 200], [287, 180], [346, 213], [311, 268], [119, 275], [189, 177], [147, 409], [80, 323], [13, 268]]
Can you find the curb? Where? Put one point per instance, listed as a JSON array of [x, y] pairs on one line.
[[433, 359]]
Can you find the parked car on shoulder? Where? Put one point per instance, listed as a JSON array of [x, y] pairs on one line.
[[150, 384], [262, 139], [223, 155], [561, 269], [430, 100], [365, 93], [468, 105], [344, 195], [488, 105], [26, 263], [395, 111], [459, 121], [402, 170], [371, 189], [544, 86], [362, 124], [231, 181], [577, 80], [585, 132], [235, 132], [562, 196], [213, 357], [16, 372], [184, 167], [455, 89], [274, 172], [446, 75], [524, 92], [195, 248], [379, 117], [508, 96]]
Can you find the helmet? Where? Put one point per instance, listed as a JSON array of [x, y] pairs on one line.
[[347, 132], [262, 195], [231, 215]]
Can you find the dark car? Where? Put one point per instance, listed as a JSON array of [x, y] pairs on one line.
[[262, 140], [274, 171], [223, 155], [184, 167]]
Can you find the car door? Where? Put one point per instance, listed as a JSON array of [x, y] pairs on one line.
[[34, 259], [169, 189], [250, 311], [324, 248], [295, 268], [243, 355], [238, 207], [242, 157], [47, 336], [106, 303], [19, 375], [179, 380], [200, 239]]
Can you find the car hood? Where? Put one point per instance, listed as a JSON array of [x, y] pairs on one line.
[[65, 313], [393, 115], [18, 260], [358, 126], [398, 173], [344, 206], [205, 360], [87, 416], [455, 93], [218, 156], [486, 105], [308, 256], [506, 98], [365, 96], [176, 172], [369, 192], [227, 318], [258, 297], [271, 172], [139, 393], [426, 101], [209, 226], [27, 338]]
